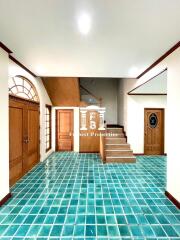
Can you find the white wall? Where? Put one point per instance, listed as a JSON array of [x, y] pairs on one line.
[[107, 89], [135, 119], [4, 125], [173, 122], [124, 86], [172, 63], [156, 85], [76, 127], [131, 113], [14, 70]]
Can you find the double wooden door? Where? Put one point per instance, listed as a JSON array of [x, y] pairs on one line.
[[64, 130], [154, 131], [23, 137]]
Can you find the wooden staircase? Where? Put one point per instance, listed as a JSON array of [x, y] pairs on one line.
[[116, 148]]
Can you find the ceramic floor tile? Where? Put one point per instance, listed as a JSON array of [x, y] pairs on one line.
[[76, 196]]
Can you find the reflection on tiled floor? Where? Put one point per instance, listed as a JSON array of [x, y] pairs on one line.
[[75, 196]]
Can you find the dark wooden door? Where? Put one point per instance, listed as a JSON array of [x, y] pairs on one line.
[[23, 137], [154, 131], [64, 130]]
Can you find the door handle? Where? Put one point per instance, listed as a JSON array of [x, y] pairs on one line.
[[26, 140]]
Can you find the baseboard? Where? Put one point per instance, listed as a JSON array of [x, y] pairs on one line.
[[172, 199], [9, 195], [142, 154], [113, 126], [88, 152]]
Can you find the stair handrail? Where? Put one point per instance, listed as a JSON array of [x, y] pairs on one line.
[[99, 99]]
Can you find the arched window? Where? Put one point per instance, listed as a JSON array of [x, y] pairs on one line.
[[21, 87]]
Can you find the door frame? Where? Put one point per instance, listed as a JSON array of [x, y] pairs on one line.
[[163, 129], [56, 128]]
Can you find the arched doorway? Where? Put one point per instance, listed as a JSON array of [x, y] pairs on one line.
[[23, 127]]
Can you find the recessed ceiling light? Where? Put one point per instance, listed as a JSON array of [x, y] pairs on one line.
[[84, 23]]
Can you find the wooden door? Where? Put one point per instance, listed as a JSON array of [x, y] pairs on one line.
[[16, 151], [64, 130], [23, 137], [154, 131], [32, 137], [89, 139]]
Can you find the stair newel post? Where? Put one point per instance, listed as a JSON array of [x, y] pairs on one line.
[[101, 119], [83, 119], [102, 146]]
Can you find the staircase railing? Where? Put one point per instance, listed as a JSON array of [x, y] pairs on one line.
[[99, 99]]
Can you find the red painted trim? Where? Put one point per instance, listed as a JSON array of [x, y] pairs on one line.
[[5, 48], [9, 195], [130, 93], [165, 55], [21, 65], [172, 199]]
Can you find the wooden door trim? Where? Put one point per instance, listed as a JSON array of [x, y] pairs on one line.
[[23, 100], [56, 127], [163, 122]]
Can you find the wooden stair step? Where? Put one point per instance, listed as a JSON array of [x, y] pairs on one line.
[[120, 159], [118, 152], [115, 140], [117, 146], [114, 130], [115, 135]]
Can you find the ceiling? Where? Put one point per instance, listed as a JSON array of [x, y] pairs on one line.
[[89, 38]]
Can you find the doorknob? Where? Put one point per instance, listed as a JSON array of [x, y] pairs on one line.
[[26, 140]]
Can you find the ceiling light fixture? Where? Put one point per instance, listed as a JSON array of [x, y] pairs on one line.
[[84, 23]]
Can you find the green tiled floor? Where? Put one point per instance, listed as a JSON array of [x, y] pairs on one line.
[[75, 196]]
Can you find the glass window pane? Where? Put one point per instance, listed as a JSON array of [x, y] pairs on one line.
[[21, 87], [27, 85], [18, 81], [14, 90], [32, 92], [48, 127], [23, 95]]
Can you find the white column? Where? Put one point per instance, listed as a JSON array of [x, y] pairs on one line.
[[83, 120], [101, 120], [4, 124]]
